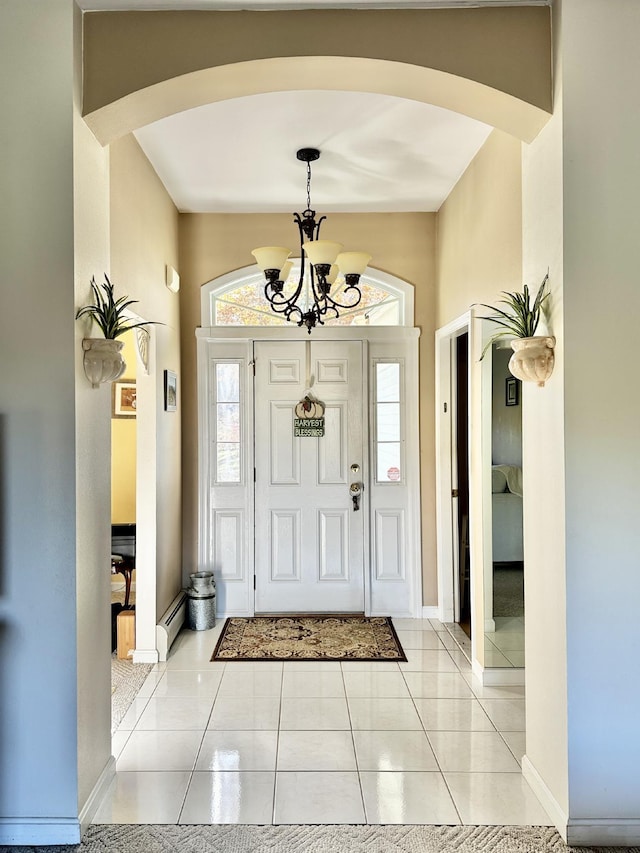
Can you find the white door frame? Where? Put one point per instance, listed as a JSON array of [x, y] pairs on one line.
[[146, 499], [380, 343], [479, 473], [446, 548]]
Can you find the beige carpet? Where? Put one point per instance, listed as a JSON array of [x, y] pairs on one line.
[[508, 590], [308, 638], [320, 839], [126, 680]]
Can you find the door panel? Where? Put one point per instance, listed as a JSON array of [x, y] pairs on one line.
[[284, 448], [309, 551]]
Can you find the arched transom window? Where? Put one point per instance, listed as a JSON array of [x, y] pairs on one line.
[[237, 299]]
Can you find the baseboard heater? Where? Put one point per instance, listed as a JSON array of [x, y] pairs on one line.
[[169, 626]]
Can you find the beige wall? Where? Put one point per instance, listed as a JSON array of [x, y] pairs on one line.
[[479, 253], [543, 447], [479, 230], [144, 238], [93, 407], [123, 448], [582, 185], [402, 244], [507, 50]]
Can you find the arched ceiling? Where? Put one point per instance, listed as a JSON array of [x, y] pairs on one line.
[[379, 153], [221, 101]]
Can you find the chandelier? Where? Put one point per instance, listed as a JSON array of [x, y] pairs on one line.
[[311, 302]]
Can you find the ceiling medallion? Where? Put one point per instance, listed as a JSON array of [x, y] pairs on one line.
[[311, 302]]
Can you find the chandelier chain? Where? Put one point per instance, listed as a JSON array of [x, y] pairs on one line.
[[308, 186]]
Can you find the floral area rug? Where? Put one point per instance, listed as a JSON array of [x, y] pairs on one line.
[[309, 638]]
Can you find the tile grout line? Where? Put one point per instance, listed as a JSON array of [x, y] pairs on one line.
[[426, 734], [275, 769], [199, 750], [355, 753]]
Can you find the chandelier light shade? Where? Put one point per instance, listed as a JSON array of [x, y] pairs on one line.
[[310, 301], [271, 257], [322, 252]]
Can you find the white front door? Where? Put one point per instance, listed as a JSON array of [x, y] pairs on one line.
[[309, 538]]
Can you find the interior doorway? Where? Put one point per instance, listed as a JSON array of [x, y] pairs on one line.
[[124, 439], [460, 491]]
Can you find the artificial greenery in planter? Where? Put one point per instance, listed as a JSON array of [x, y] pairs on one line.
[[533, 357], [103, 360], [108, 312]]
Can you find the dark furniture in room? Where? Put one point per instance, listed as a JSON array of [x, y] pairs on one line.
[[123, 554]]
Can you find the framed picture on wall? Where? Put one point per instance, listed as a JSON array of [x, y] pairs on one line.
[[123, 399], [170, 391], [512, 391]]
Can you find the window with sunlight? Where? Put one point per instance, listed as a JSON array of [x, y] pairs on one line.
[[242, 302]]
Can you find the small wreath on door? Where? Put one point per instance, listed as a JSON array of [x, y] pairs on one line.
[[309, 408]]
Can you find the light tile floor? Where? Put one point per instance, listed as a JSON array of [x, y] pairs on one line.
[[273, 743]]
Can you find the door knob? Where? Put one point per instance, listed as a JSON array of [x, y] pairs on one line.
[[355, 490]]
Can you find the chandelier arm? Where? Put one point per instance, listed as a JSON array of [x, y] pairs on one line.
[[335, 304], [280, 304], [328, 308]]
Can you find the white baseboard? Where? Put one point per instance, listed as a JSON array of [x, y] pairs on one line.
[[445, 614], [542, 792], [604, 832], [39, 831], [489, 626], [478, 670], [582, 832], [495, 676], [145, 656], [94, 799], [432, 611], [44, 831]]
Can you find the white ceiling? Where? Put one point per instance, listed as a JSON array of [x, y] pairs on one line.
[[379, 153]]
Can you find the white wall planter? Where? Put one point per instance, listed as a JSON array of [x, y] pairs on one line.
[[533, 358], [103, 360]]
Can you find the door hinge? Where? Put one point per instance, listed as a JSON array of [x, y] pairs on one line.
[[254, 475], [445, 408], [454, 493], [254, 581]]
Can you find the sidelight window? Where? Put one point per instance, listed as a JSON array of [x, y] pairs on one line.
[[227, 419], [388, 422]]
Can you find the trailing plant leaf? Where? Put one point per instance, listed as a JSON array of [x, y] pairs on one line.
[[519, 319], [110, 313]]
